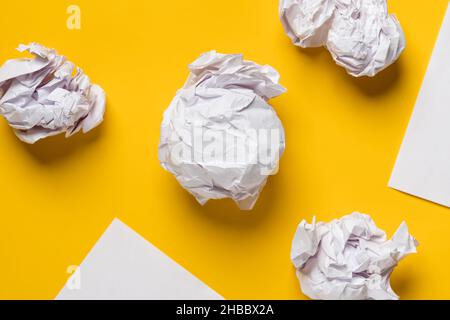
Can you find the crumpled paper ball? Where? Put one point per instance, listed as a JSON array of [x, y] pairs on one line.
[[360, 34], [219, 137], [307, 22], [42, 97], [349, 258]]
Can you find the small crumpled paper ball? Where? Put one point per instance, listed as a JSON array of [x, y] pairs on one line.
[[307, 22], [360, 34], [42, 97], [349, 258], [219, 136]]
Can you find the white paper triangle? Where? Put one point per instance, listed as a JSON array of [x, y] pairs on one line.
[[123, 265], [423, 164]]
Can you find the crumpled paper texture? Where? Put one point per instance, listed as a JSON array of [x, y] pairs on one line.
[[361, 35], [224, 96], [42, 97], [349, 258]]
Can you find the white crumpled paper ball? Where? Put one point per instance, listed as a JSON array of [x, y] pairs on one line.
[[360, 34], [41, 97], [349, 258], [219, 136], [307, 22]]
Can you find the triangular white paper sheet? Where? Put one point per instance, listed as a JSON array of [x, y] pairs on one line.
[[123, 265], [423, 165]]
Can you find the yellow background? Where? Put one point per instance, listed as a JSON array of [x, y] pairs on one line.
[[343, 135]]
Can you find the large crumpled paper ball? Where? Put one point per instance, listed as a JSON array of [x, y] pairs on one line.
[[219, 136], [349, 258], [361, 35], [42, 97]]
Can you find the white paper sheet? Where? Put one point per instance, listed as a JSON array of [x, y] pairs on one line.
[[423, 165], [123, 265]]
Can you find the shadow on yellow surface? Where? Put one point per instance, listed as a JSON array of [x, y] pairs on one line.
[[385, 81], [403, 281], [226, 213], [55, 149]]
